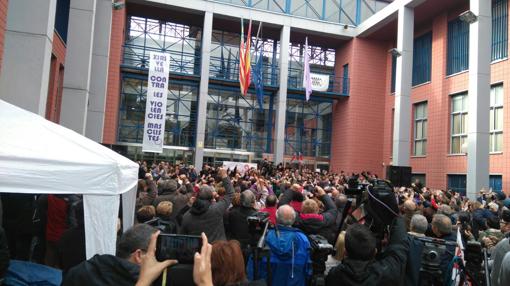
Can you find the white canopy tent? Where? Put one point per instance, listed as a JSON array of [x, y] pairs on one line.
[[40, 157]]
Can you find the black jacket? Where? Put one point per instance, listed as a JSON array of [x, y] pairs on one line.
[[237, 225], [178, 199], [102, 270], [321, 223], [208, 217], [389, 269]]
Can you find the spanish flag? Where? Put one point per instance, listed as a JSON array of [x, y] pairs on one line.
[[245, 60]]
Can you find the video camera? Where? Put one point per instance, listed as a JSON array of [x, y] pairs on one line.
[[320, 250], [257, 223], [376, 206]]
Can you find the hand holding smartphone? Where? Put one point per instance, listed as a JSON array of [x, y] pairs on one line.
[[179, 247]]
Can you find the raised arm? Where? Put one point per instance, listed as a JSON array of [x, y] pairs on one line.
[[224, 203]]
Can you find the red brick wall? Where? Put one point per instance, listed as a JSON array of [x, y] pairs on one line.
[[54, 101], [437, 163], [114, 80], [3, 22], [358, 121]]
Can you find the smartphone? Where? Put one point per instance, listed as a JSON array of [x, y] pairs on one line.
[[180, 247]]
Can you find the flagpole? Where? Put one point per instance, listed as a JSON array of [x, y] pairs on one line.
[[307, 82]]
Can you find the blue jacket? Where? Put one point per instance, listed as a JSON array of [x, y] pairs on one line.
[[290, 257]]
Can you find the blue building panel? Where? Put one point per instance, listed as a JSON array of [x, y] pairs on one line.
[[458, 47], [499, 29], [422, 59]]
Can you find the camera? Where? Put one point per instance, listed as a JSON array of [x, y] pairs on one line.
[[256, 225], [320, 249]]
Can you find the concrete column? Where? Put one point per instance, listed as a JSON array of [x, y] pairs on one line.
[[99, 70], [75, 95], [402, 122], [478, 102], [27, 54], [204, 89], [281, 100]]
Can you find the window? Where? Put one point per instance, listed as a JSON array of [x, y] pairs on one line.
[[181, 111], [499, 29], [182, 42], [420, 177], [420, 129], [393, 73], [496, 183], [458, 47], [459, 123], [308, 127], [62, 18], [392, 129], [237, 122], [422, 58], [345, 80], [457, 183], [496, 119]]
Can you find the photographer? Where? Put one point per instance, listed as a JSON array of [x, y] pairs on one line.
[[362, 267]]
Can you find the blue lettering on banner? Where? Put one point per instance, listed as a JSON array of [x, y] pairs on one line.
[[155, 109]]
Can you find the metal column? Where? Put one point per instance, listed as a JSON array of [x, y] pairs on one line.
[[204, 89], [281, 100], [478, 98], [402, 122]]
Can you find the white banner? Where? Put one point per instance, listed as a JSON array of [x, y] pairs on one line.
[[320, 82], [241, 167], [155, 107]]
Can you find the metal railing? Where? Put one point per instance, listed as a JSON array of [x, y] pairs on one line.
[[350, 12]]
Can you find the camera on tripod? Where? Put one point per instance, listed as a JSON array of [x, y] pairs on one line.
[[320, 250], [256, 225]]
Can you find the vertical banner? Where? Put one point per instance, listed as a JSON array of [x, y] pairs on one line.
[[155, 107]]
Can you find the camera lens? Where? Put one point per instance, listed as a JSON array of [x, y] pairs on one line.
[[432, 255]]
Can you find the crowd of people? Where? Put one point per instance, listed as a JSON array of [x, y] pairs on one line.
[[323, 228]]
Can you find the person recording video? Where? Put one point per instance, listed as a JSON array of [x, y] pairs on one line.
[[361, 265]]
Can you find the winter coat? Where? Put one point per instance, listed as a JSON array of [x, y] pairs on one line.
[[388, 270], [237, 226], [290, 257], [207, 217], [498, 253], [320, 223], [103, 270]]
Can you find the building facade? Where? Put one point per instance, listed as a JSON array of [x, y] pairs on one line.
[[409, 107]]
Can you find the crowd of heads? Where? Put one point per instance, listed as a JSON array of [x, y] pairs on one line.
[[226, 205]]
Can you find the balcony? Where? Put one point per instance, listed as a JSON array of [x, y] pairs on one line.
[[337, 86]]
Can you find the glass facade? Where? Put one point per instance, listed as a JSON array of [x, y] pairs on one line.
[[351, 12], [322, 61], [181, 109], [235, 122], [308, 128], [182, 42], [224, 63], [236, 128]]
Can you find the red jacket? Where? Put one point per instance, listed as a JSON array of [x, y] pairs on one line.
[[57, 218], [272, 214]]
